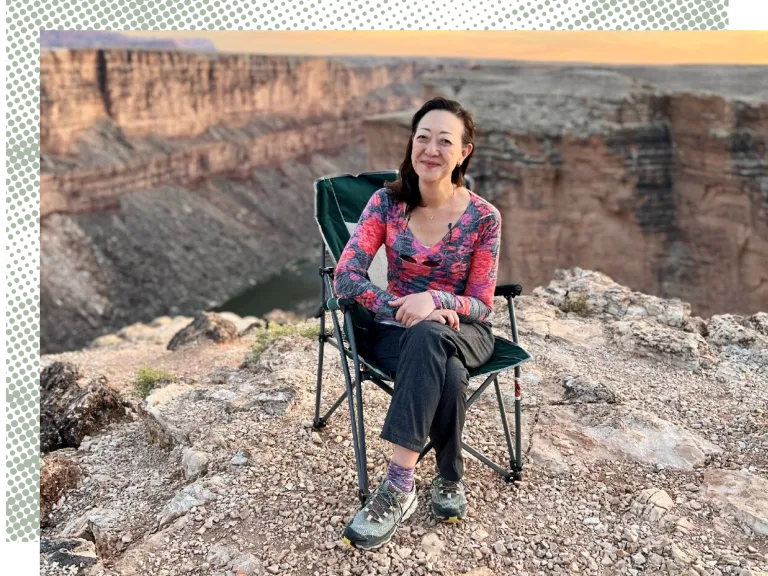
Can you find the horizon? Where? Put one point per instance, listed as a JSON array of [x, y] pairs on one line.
[[618, 48]]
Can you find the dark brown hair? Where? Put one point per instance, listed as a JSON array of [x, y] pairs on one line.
[[406, 187]]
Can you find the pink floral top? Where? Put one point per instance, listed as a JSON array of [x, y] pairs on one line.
[[459, 270]]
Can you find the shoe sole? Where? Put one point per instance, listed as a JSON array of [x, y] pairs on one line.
[[406, 515], [448, 519]]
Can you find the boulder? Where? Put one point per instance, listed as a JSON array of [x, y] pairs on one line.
[[59, 473], [205, 326], [75, 555], [69, 411], [742, 496], [101, 526]]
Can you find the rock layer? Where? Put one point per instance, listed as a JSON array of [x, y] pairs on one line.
[[172, 181], [662, 187]]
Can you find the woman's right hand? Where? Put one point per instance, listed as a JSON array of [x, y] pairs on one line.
[[449, 317]]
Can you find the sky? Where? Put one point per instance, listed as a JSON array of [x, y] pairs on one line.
[[600, 47]]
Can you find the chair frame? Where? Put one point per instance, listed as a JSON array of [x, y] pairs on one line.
[[363, 372]]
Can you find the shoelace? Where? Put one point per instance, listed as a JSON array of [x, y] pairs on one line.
[[381, 502], [451, 487]]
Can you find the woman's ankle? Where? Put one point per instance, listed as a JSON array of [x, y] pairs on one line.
[[401, 477]]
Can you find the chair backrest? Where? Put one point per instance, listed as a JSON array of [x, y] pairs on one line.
[[339, 202]]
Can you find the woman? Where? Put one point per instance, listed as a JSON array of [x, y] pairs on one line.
[[431, 324]]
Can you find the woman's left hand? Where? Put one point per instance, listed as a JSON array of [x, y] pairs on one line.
[[413, 308]]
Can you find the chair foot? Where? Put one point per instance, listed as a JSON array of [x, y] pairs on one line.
[[513, 475], [319, 423], [362, 496]]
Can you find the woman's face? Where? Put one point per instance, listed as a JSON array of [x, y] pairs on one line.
[[437, 146]]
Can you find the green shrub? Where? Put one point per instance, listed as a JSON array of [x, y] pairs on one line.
[[265, 336], [576, 304], [147, 379]]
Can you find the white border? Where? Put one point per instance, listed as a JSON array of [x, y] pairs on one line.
[[16, 559], [747, 15]]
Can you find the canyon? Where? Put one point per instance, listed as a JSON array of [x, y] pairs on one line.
[[172, 181], [656, 177]]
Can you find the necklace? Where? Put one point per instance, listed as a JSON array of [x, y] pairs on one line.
[[432, 216]]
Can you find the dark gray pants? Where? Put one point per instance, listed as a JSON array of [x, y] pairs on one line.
[[429, 363]]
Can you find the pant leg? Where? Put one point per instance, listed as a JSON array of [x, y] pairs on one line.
[[425, 350], [448, 424]]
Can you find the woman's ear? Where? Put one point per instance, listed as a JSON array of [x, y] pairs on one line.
[[467, 151]]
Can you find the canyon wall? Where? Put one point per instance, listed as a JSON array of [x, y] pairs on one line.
[[664, 190], [172, 181]]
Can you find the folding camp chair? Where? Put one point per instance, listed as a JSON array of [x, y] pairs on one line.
[[339, 202]]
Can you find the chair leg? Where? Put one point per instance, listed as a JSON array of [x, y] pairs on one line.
[[518, 466], [513, 452], [320, 422], [356, 416], [363, 477]]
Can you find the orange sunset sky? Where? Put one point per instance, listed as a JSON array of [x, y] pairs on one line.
[[605, 47]]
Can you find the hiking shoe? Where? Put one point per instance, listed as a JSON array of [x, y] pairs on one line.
[[375, 524], [449, 502]]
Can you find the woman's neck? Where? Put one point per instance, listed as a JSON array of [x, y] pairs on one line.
[[436, 194]]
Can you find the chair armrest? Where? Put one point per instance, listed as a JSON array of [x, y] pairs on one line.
[[508, 290], [342, 304]]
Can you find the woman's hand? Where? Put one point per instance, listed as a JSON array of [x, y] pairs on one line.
[[413, 308], [449, 317]]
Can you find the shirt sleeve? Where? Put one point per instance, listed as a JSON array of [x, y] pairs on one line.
[[476, 304], [351, 274]]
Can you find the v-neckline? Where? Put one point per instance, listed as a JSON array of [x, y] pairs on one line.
[[450, 230]]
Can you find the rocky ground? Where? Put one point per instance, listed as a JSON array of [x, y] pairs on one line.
[[645, 437]]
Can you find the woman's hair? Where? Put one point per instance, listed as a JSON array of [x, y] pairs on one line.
[[406, 187]]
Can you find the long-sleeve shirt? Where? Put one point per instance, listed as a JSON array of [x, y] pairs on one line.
[[459, 271]]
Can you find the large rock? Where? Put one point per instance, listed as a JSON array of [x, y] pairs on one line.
[[59, 473], [75, 555], [652, 504], [101, 526], [580, 390], [592, 432], [272, 393], [586, 292], [684, 349], [743, 495], [190, 496], [205, 326], [69, 411], [153, 412], [733, 330]]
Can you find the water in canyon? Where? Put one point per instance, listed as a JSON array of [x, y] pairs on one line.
[[295, 289]]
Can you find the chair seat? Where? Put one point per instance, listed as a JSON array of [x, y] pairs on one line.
[[506, 355]]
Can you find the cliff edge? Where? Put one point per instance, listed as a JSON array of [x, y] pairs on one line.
[[644, 438]]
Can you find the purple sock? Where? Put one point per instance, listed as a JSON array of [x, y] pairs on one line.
[[400, 477]]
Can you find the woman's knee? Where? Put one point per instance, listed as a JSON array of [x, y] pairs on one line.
[[425, 333], [456, 379]]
